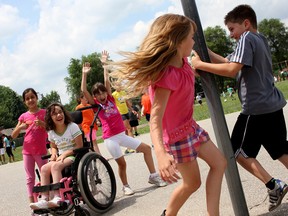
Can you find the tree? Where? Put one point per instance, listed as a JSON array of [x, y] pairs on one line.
[[73, 81], [277, 36], [48, 99], [11, 107], [219, 42]]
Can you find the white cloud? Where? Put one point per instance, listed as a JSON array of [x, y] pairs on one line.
[[36, 53]]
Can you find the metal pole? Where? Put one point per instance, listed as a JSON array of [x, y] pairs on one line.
[[217, 115]]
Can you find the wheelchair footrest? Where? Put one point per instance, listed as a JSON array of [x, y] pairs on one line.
[[50, 187]]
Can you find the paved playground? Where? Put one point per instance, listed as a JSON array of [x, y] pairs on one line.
[[148, 199]]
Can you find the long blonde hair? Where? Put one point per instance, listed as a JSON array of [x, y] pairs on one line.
[[147, 65]]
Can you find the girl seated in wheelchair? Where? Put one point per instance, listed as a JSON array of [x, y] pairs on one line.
[[64, 136]]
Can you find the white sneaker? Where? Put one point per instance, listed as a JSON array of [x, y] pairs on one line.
[[41, 204], [157, 180], [127, 190], [54, 202]]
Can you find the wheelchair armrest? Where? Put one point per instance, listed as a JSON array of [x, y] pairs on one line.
[[80, 150], [44, 157]]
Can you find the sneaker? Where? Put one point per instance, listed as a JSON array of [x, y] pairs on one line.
[[157, 180], [54, 202], [127, 190], [41, 204], [129, 151], [276, 195]]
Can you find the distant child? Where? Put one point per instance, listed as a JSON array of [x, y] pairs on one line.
[[88, 116], [161, 61], [146, 105], [2, 151], [8, 146], [134, 118], [261, 121], [199, 99], [114, 130], [34, 145], [64, 136]]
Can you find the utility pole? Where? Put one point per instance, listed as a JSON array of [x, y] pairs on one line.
[[217, 115]]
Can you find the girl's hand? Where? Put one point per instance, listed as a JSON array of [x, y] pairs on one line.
[[167, 168], [104, 57], [53, 157], [23, 126], [86, 68], [38, 122], [61, 158], [195, 59]]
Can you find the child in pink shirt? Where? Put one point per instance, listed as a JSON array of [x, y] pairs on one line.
[[161, 63], [34, 145], [114, 130]]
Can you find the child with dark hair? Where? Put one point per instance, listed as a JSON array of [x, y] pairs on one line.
[[114, 130], [261, 121], [8, 146], [64, 136], [34, 145], [88, 116]]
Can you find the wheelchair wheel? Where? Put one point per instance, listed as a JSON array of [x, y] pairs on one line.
[[65, 212], [82, 212], [96, 181]]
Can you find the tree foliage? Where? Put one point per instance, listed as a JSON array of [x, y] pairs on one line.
[[11, 107], [277, 35], [219, 42], [53, 96], [73, 81]]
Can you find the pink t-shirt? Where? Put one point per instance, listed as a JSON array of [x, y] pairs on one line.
[[35, 137], [111, 119], [177, 120]]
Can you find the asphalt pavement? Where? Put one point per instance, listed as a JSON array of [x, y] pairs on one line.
[[148, 199]]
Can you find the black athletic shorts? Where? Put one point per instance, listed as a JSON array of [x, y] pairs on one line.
[[125, 116], [252, 131]]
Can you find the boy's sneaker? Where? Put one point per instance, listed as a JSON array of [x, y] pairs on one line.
[[54, 202], [41, 204], [276, 195], [157, 180], [127, 190]]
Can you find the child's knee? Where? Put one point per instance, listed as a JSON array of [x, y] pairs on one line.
[[143, 147]]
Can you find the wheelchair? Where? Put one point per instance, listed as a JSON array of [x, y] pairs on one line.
[[89, 180]]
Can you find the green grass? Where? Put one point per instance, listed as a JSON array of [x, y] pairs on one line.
[[200, 113]]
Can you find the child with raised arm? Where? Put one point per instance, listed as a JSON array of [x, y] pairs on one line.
[[114, 130], [161, 62], [64, 136], [261, 121], [88, 116], [34, 145]]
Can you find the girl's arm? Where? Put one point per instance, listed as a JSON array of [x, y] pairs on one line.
[[104, 60], [166, 163], [20, 126], [85, 70], [54, 152], [78, 144]]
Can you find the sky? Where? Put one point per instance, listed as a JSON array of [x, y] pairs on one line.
[[39, 37]]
